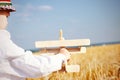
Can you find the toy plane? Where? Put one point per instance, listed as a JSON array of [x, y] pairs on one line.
[[55, 45]]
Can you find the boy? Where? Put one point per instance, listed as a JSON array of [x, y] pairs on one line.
[[15, 62]]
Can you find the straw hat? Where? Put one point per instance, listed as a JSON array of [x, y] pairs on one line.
[[6, 5]]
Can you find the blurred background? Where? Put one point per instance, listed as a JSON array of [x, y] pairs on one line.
[[38, 20]]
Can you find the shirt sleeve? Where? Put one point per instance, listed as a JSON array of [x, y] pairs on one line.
[[25, 63], [38, 66]]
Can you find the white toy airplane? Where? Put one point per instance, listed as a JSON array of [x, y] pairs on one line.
[[54, 46]]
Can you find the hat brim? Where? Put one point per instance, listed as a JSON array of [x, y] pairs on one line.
[[6, 9]]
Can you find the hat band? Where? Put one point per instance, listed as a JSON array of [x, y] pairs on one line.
[[5, 4]]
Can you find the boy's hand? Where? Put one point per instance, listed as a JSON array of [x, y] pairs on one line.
[[65, 52]]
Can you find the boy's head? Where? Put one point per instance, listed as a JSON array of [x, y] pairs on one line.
[[5, 9]]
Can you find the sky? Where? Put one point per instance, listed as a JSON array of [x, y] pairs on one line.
[[41, 20]]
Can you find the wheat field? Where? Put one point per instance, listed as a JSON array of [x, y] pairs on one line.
[[98, 63]]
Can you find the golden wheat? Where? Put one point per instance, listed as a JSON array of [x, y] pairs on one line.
[[99, 63]]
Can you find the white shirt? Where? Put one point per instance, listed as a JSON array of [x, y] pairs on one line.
[[17, 64]]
